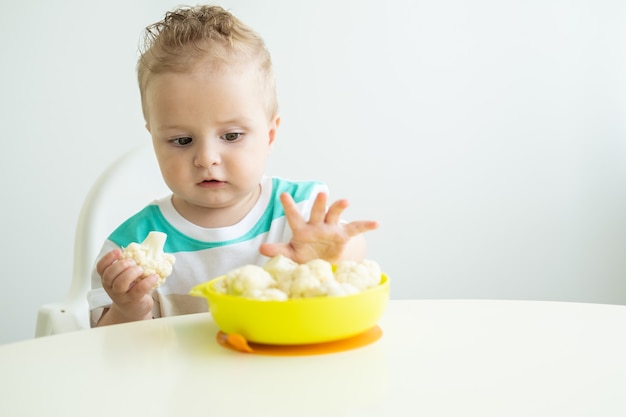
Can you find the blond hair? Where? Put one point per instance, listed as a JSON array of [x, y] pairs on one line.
[[189, 37]]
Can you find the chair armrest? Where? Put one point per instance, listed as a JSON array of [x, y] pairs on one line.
[[58, 318]]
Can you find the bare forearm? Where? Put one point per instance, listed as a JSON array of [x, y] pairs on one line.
[[114, 316]]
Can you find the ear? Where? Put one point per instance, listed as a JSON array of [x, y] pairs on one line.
[[274, 123]]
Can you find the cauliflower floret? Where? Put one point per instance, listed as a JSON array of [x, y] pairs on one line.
[[282, 270], [220, 286], [246, 279], [280, 278], [308, 279], [150, 256], [362, 275], [250, 281], [336, 289], [268, 294]]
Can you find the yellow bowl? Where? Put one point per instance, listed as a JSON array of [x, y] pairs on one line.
[[296, 321]]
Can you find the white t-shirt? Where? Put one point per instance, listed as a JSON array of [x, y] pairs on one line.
[[205, 253]]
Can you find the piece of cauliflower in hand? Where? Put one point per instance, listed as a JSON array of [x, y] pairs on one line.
[[309, 279], [360, 274], [150, 256], [250, 281]]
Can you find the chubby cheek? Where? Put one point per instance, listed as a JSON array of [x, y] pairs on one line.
[[171, 170], [252, 163]]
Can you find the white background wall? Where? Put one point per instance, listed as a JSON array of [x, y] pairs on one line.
[[488, 137]]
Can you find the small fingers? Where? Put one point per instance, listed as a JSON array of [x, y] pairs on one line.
[[121, 283], [361, 226], [291, 211], [274, 249], [333, 216], [318, 211], [141, 287], [118, 277], [108, 259]]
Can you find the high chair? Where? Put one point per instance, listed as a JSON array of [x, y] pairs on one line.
[[125, 187]]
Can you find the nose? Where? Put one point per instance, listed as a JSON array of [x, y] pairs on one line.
[[207, 155]]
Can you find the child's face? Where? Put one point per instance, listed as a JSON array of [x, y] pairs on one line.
[[212, 137]]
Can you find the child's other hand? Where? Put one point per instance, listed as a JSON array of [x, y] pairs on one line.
[[131, 295], [322, 236]]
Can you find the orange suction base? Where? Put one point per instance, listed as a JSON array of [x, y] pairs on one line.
[[360, 340]]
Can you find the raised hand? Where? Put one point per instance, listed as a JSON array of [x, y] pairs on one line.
[[323, 236]]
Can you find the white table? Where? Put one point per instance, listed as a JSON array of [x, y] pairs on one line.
[[435, 358]]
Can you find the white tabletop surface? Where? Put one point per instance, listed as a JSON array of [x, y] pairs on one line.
[[435, 358]]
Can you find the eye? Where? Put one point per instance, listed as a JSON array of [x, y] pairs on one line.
[[231, 137], [182, 141]]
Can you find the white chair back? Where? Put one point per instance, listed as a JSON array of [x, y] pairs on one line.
[[125, 187]]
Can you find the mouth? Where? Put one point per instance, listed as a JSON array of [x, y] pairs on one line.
[[211, 183]]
